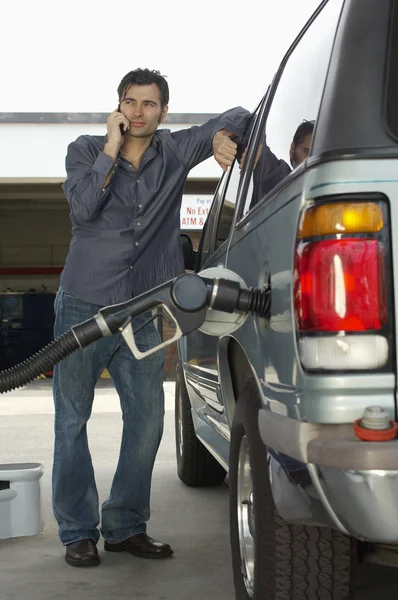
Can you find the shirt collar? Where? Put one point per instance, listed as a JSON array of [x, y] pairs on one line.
[[155, 142]]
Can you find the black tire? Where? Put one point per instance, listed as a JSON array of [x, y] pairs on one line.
[[291, 562], [195, 465]]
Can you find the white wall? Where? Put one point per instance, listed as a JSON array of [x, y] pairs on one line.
[[36, 150]]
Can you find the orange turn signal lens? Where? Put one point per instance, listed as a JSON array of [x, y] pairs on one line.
[[341, 217]]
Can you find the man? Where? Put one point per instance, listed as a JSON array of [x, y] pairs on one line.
[[124, 192], [269, 170]]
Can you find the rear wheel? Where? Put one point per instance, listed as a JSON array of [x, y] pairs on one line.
[[195, 465], [273, 560]]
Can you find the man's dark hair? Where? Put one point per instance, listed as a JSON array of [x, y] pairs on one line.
[[305, 128], [144, 77]]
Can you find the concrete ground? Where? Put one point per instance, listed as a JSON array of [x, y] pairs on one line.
[[193, 521]]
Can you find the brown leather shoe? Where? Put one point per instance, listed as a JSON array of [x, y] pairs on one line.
[[83, 553], [141, 545]]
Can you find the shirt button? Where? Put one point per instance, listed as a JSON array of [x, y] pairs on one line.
[[131, 166], [138, 180], [138, 224], [136, 243], [103, 189], [131, 267], [140, 206]]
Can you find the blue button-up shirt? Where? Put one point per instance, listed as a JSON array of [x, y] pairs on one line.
[[125, 236]]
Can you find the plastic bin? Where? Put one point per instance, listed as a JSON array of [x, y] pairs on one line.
[[20, 499]]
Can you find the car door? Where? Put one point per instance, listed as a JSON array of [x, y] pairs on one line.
[[201, 368]]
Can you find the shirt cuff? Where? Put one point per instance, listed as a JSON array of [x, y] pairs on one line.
[[103, 163], [235, 120], [229, 127]]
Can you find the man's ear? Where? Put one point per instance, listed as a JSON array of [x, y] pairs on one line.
[[163, 114], [291, 151]]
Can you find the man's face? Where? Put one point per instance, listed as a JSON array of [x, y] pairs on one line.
[[141, 106], [299, 152]]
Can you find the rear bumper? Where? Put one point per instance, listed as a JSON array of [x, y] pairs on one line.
[[364, 502], [357, 482], [333, 446]]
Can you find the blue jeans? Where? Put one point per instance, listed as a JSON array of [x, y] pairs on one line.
[[139, 384]]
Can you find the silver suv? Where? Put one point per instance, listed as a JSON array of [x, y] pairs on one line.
[[299, 407]]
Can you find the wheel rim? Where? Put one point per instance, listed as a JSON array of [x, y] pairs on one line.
[[246, 516], [180, 425]]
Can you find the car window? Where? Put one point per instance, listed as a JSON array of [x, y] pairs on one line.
[[286, 138], [228, 205], [227, 211], [206, 245]]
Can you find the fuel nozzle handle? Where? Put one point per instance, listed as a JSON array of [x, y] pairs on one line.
[[185, 298]]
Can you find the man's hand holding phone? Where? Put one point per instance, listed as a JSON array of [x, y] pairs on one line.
[[116, 124]]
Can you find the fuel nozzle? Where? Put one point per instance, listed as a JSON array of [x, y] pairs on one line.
[[183, 299], [186, 300]]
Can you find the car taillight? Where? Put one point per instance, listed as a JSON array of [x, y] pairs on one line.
[[340, 287]]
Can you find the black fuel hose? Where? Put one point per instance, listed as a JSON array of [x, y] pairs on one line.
[[39, 363]]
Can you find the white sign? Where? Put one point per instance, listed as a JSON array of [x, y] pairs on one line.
[[194, 211]]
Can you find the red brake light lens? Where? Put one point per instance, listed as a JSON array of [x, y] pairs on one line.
[[340, 285]]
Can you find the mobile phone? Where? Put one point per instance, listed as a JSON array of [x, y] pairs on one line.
[[122, 131]]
